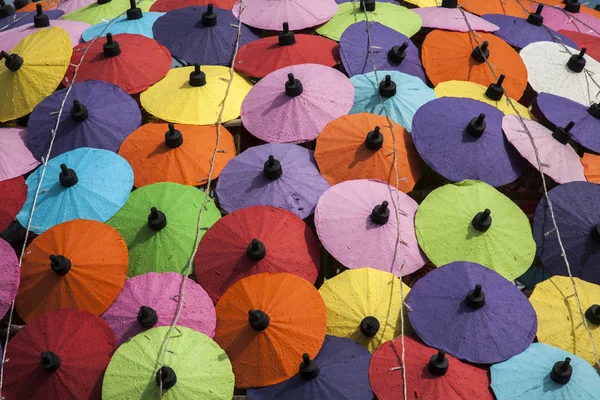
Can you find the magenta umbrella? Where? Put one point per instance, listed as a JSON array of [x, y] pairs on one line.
[[15, 157], [11, 37], [9, 279], [450, 18], [570, 19], [270, 15], [69, 6]]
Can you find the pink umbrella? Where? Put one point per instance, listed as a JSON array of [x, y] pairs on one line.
[[559, 159], [10, 38], [293, 104], [9, 279], [270, 15], [15, 157], [558, 18], [356, 222], [150, 300], [72, 5], [450, 18]]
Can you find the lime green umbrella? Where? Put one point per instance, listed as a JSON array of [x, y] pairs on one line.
[[393, 16], [472, 221], [159, 224], [96, 13], [195, 367]]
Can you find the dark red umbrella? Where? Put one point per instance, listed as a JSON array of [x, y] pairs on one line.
[[13, 193], [169, 5]]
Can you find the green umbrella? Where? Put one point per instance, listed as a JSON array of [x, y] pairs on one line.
[[472, 221], [159, 224], [97, 13], [393, 16], [195, 367]]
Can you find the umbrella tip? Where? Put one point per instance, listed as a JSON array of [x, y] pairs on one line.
[[134, 11], [592, 314], [495, 91], [100, 2], [374, 140], [477, 126], [481, 53], [50, 361], [67, 177], [272, 168], [397, 54], [536, 17], [147, 317], [157, 220], [209, 17], [438, 364], [293, 86], [12, 61], [482, 220], [476, 298], [387, 87], [562, 371], [40, 20], [78, 111], [369, 326], [572, 6], [197, 77], [256, 250], [450, 3], [167, 376], [286, 37], [577, 62], [308, 368], [258, 320], [61, 265], [594, 110], [173, 137], [367, 5], [563, 135], [380, 214], [111, 48], [6, 10]]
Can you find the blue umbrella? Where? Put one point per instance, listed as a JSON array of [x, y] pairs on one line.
[[139, 23], [545, 372], [403, 95], [22, 18], [84, 183]]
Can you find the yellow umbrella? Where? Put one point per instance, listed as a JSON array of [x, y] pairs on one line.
[[425, 3], [192, 96], [559, 321], [32, 71], [99, 12], [364, 305]]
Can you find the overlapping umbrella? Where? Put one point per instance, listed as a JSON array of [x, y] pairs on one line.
[[96, 12], [13, 193], [170, 5], [134, 21], [449, 17], [9, 280], [265, 14], [15, 158], [15, 20]]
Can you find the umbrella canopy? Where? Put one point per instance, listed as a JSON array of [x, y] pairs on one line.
[[170, 5], [176, 153], [462, 139], [472, 313], [356, 222], [278, 175], [498, 234], [261, 57], [21, 18], [567, 17], [9, 280], [544, 372], [451, 56], [254, 240], [591, 167], [159, 223], [507, 7], [101, 116], [100, 10], [430, 374], [402, 95], [195, 368], [194, 95], [364, 305], [591, 43], [15, 158], [150, 300], [59, 355], [384, 47], [559, 159], [26, 5], [13, 193], [559, 321], [393, 16], [10, 38], [265, 323], [293, 104], [84, 183], [449, 17], [269, 15], [131, 23], [339, 371], [32, 71], [68, 6], [132, 62]]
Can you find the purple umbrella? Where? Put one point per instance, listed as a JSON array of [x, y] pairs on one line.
[[150, 300], [392, 51], [455, 141], [96, 114], [9, 280], [278, 175], [201, 35], [339, 371], [22, 18], [472, 313], [578, 220]]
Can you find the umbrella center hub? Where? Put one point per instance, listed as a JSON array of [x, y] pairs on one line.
[[563, 135], [577, 62], [61, 265], [495, 91], [369, 326], [367, 5], [79, 112], [293, 86], [450, 3], [157, 220], [209, 17], [481, 53], [173, 137], [147, 317], [67, 177], [592, 314], [111, 48], [40, 20], [49, 361], [572, 6], [374, 140], [286, 37], [536, 17], [6, 10], [381, 213], [562, 371], [256, 250], [438, 364], [475, 298], [12, 61], [397, 54], [103, 1], [167, 376], [258, 320], [197, 77], [134, 11], [387, 87], [482, 220], [477, 126], [594, 110], [308, 368], [272, 169], [595, 232]]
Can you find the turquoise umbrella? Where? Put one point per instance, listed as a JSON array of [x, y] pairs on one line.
[[123, 24]]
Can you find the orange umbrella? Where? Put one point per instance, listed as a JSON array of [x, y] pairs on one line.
[[591, 167], [46, 5], [77, 264], [456, 56], [265, 322], [176, 153], [515, 8], [361, 146]]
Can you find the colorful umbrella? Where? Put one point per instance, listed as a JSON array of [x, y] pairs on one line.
[[570, 18], [132, 62], [339, 371], [21, 18], [159, 223], [101, 10], [254, 240], [194, 95], [507, 7], [449, 17], [293, 104], [278, 175], [358, 221], [591, 167], [15, 157], [261, 57], [59, 355], [84, 183], [544, 372], [361, 50], [451, 56], [402, 95], [430, 374], [26, 5], [462, 139], [13, 193], [100, 115], [10, 38], [151, 300], [9, 280], [265, 14], [472, 221], [364, 305], [134, 22], [265, 323], [591, 43], [32, 71], [393, 16], [195, 368], [176, 153], [559, 160], [170, 5], [472, 313], [69, 6]]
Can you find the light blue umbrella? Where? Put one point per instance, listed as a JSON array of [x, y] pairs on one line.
[[83, 183], [141, 26], [540, 372], [403, 95]]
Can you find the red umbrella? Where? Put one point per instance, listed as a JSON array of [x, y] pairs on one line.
[[13, 193], [591, 43], [60, 355], [132, 62], [169, 5], [254, 240]]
